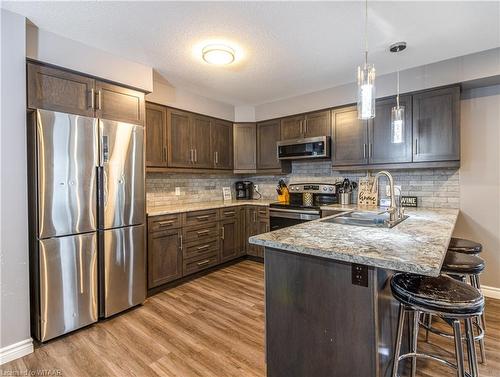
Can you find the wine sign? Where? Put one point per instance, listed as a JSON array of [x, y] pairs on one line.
[[365, 195]]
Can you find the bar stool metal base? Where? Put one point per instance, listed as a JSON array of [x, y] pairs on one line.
[[457, 336]]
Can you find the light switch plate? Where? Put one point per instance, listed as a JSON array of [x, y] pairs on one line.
[[177, 191]]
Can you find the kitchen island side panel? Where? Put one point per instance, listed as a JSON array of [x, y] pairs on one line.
[[317, 322]]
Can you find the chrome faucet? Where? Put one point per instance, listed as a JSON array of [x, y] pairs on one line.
[[394, 212]]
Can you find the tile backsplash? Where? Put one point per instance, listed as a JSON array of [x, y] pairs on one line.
[[435, 188]]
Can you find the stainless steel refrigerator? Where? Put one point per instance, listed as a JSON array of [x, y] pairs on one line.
[[87, 249]]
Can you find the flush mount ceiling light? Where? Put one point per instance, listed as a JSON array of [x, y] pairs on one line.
[[218, 54]]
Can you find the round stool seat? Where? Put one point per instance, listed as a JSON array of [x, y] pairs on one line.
[[462, 264], [461, 245], [442, 294]]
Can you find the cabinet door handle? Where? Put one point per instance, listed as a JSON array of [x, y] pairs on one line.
[[216, 158], [165, 153], [223, 233], [301, 127], [364, 150], [99, 100], [416, 146], [229, 213], [92, 99], [195, 156], [254, 216], [203, 247], [305, 127], [202, 217], [180, 241], [370, 150], [202, 232], [203, 262]]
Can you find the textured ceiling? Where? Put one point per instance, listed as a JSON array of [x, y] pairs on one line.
[[288, 48]]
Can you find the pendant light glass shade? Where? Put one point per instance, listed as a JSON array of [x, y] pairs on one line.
[[366, 91], [397, 124]]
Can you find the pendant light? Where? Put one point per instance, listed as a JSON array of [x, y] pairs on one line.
[[366, 81], [398, 111]]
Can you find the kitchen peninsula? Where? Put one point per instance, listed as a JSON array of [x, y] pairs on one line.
[[329, 308]]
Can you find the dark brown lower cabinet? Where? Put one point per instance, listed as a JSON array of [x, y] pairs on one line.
[[229, 244], [164, 257], [257, 222], [180, 246]]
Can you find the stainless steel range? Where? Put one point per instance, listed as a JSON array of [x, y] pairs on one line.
[[305, 202]]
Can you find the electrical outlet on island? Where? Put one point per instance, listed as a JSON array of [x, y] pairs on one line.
[[177, 191]]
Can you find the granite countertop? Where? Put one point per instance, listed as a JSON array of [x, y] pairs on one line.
[[180, 208], [417, 245]]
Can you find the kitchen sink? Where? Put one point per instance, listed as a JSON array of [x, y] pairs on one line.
[[362, 218]]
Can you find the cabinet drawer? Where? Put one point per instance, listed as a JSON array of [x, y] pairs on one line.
[[229, 213], [200, 217], [197, 249], [198, 264], [164, 222], [201, 232], [263, 212]]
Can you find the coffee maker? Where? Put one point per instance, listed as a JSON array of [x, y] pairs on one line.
[[244, 190]]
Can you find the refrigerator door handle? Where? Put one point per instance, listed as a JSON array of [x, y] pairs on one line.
[[80, 269], [104, 149]]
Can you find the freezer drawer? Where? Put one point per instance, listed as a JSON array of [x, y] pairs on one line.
[[67, 157], [123, 269], [122, 178], [68, 284]]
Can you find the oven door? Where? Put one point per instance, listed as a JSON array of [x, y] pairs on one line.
[[282, 218]]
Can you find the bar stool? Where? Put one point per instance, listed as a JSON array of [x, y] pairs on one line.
[[461, 245], [442, 296], [462, 266]]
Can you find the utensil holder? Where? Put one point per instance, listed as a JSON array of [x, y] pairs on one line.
[[345, 198]]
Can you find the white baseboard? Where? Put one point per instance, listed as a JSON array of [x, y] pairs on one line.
[[16, 350], [491, 292]]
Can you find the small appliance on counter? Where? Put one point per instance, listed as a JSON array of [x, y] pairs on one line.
[[304, 204], [283, 193], [244, 190]]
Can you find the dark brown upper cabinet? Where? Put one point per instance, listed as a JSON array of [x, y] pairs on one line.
[[291, 127], [58, 90], [201, 127], [436, 125], [245, 147], [114, 102], [221, 144], [381, 149], [156, 135], [308, 125], [180, 152], [350, 137], [268, 134]]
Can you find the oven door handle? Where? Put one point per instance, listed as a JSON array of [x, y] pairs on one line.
[[312, 212], [293, 215]]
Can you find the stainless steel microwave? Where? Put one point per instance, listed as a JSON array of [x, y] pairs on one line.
[[312, 147]]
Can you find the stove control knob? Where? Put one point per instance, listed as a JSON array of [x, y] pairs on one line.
[[331, 188], [324, 188]]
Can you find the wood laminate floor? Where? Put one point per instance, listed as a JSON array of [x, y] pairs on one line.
[[211, 326]]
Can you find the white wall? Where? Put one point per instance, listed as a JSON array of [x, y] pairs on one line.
[[480, 176], [244, 114], [58, 50], [165, 94], [14, 270], [460, 69]]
